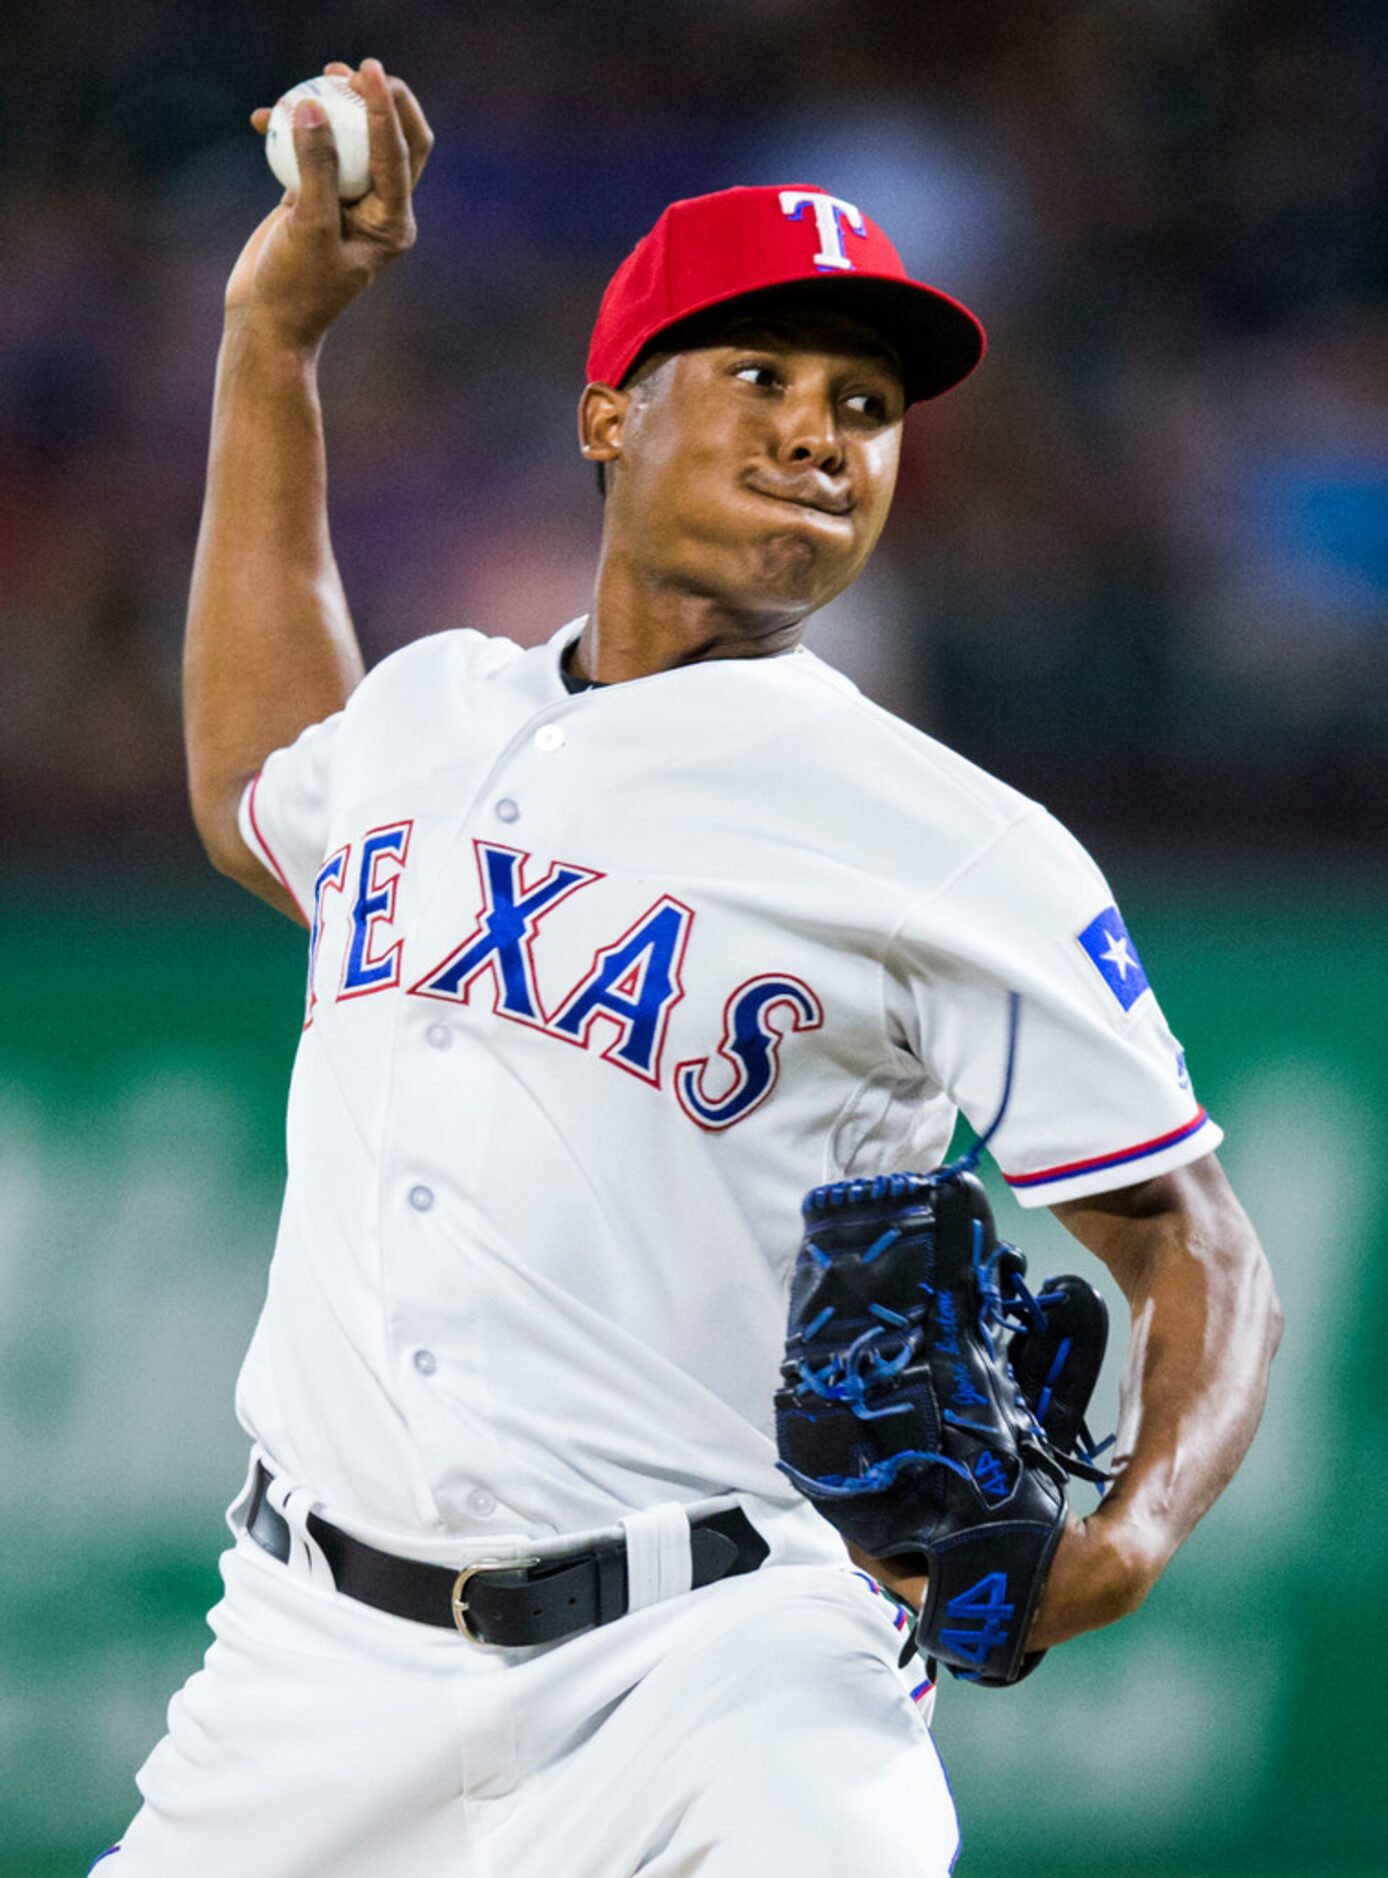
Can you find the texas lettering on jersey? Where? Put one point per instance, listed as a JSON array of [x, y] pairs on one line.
[[628, 991]]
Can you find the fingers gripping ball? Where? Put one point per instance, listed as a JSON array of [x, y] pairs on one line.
[[346, 114], [901, 1418]]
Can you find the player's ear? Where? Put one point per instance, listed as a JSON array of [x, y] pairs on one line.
[[601, 418]]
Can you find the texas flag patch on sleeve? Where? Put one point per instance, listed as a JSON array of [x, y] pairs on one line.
[[1110, 951]]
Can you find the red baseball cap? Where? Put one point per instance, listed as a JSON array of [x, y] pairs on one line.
[[708, 250]]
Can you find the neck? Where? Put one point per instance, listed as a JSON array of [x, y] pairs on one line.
[[637, 626]]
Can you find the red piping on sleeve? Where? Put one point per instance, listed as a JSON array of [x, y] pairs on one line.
[[268, 851], [1110, 1160]]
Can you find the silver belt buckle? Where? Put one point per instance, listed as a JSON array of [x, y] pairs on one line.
[[460, 1584]]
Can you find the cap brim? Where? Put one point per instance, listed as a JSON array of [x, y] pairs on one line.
[[937, 339]]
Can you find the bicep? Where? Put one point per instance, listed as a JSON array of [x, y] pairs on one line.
[[1140, 1231], [219, 827], [268, 831], [1096, 1086]]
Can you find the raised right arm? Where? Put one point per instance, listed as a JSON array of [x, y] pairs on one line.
[[270, 646]]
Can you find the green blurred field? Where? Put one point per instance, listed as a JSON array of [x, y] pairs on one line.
[[1232, 1730]]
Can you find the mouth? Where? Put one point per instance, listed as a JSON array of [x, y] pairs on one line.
[[806, 495]]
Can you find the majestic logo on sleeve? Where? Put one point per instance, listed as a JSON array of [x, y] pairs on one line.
[[1110, 951], [620, 1005]]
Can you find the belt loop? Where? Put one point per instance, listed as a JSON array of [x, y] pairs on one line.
[[294, 1504], [238, 1513], [659, 1562]]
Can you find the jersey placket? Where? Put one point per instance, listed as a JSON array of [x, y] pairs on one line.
[[437, 1279]]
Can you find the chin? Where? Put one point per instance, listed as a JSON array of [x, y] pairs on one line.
[[800, 565], [788, 567]]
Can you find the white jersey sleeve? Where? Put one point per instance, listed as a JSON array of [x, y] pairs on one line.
[[1100, 1096], [411, 709], [285, 810]]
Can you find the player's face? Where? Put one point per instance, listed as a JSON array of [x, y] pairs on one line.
[[758, 470]]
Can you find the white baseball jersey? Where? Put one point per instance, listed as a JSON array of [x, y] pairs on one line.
[[599, 985]]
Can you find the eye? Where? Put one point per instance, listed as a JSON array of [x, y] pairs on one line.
[[869, 405], [763, 376]]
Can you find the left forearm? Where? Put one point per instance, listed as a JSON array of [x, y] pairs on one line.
[[1205, 1325]]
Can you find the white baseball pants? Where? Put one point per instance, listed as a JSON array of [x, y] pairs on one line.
[[757, 1728]]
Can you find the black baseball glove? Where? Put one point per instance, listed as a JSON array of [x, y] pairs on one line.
[[932, 1408]]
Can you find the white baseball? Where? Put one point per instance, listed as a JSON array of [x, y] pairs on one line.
[[346, 114]]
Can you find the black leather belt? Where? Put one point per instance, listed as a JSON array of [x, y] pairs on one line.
[[512, 1605]]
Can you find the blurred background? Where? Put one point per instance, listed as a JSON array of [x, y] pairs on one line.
[[1138, 567]]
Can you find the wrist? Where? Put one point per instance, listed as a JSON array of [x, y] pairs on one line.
[[907, 1586], [252, 334], [1133, 1549]]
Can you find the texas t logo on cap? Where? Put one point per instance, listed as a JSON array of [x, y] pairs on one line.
[[830, 214], [708, 251]]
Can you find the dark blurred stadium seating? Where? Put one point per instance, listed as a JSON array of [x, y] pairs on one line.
[[1140, 564]]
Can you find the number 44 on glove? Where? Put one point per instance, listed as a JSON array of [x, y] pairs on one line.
[[932, 1409]]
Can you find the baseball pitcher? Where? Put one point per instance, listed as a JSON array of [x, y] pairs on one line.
[[609, 1501]]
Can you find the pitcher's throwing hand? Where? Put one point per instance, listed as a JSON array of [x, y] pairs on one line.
[[313, 254]]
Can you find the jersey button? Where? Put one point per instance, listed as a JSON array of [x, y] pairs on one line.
[[425, 1362], [549, 737], [439, 1037], [421, 1198], [481, 1503], [507, 810]]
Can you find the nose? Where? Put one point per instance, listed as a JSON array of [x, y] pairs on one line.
[[810, 434]]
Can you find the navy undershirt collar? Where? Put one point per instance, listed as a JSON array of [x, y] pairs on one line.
[[574, 685]]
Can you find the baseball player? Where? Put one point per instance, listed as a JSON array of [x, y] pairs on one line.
[[615, 947]]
